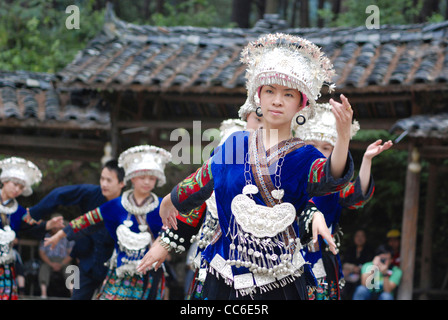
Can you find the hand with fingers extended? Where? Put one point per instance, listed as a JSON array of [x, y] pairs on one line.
[[55, 223], [319, 227], [54, 239], [376, 148], [153, 258], [168, 213], [343, 113]]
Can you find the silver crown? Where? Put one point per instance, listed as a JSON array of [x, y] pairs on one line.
[[23, 171], [322, 127], [144, 160], [289, 61]]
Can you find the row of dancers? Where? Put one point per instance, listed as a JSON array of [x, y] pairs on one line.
[[259, 219]]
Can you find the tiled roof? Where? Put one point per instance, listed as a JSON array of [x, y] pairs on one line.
[[191, 59], [31, 98], [423, 126]]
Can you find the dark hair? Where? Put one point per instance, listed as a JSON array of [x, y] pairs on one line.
[[384, 248], [113, 166]]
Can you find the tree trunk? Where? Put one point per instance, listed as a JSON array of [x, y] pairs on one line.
[[304, 14], [241, 13], [320, 6], [272, 6], [409, 224]]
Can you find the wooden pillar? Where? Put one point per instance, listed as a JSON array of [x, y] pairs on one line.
[[409, 224], [425, 273], [114, 132]]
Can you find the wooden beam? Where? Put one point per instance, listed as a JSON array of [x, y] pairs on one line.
[[434, 152], [409, 224], [46, 153], [186, 123], [425, 272], [50, 143], [70, 125], [114, 131]]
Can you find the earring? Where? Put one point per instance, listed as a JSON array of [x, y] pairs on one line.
[[258, 112], [302, 121]]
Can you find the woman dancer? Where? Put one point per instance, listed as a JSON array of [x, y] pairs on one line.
[[321, 133], [133, 221], [262, 179], [18, 176]]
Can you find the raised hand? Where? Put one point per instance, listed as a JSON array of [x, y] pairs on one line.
[[376, 148]]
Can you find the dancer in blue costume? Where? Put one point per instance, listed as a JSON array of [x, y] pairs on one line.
[[18, 176], [133, 222], [95, 247], [261, 180], [209, 228], [321, 133]]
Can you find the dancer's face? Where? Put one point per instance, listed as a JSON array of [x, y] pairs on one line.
[[279, 104], [324, 147], [110, 186], [11, 189], [253, 121], [144, 184]]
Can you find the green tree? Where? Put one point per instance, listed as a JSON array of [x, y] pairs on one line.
[[33, 35]]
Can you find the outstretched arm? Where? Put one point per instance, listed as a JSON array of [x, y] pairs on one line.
[[372, 150], [343, 113]]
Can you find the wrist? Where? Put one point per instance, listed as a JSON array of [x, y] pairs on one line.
[[387, 273], [171, 241]]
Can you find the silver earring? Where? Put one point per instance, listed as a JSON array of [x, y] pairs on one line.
[[300, 119]]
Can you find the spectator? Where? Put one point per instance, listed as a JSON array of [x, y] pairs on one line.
[[393, 241], [53, 260], [379, 278], [355, 256]]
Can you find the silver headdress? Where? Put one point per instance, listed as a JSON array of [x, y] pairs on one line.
[[144, 160], [246, 109], [322, 127], [22, 171], [289, 61]]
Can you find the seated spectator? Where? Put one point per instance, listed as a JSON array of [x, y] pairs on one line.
[[379, 278], [53, 260], [355, 256], [393, 241]]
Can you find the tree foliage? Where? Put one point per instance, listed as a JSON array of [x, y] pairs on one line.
[[33, 35]]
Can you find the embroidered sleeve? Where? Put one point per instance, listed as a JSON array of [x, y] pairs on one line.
[[320, 180], [90, 218], [192, 192], [304, 221], [352, 197]]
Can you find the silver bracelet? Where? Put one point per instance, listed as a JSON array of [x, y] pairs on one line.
[[171, 241]]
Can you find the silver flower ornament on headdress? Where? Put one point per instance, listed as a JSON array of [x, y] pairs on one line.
[[322, 127], [144, 160], [289, 61], [246, 109], [230, 126], [22, 171]]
